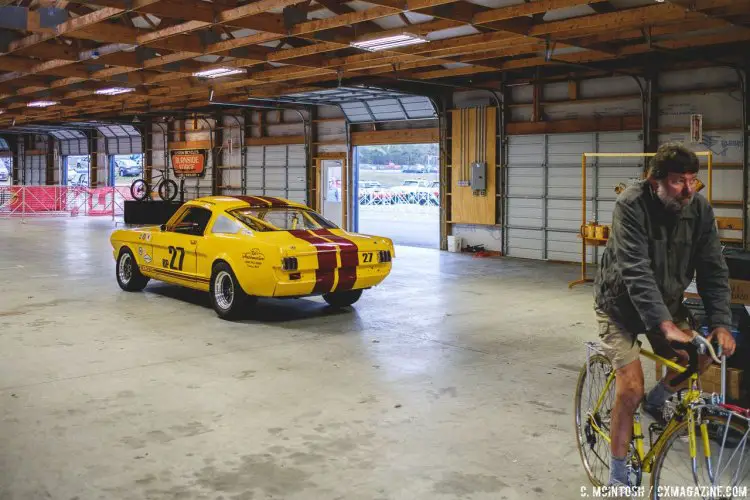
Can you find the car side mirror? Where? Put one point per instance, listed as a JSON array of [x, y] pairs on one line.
[[163, 227]]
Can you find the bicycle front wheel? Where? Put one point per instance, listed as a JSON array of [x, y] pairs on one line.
[[593, 447], [167, 190], [139, 190], [722, 473]]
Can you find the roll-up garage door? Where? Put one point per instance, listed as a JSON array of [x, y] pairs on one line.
[[34, 173], [277, 171], [544, 189]]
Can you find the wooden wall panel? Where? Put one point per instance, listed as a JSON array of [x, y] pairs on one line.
[[466, 205]]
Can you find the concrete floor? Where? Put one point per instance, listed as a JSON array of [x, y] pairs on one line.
[[453, 379]]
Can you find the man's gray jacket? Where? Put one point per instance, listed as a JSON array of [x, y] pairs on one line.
[[652, 256]]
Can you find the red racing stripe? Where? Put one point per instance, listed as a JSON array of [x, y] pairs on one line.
[[276, 202], [325, 274], [254, 201], [349, 259]]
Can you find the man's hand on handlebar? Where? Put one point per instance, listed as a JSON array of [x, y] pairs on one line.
[[674, 334], [724, 339]]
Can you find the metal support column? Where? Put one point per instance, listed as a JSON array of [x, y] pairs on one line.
[[147, 145], [93, 159], [218, 143], [49, 177]]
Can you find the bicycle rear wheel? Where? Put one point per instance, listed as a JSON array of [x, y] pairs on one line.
[[167, 190], [594, 449], [139, 190], [677, 475]]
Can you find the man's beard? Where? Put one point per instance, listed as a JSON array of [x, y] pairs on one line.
[[672, 203]]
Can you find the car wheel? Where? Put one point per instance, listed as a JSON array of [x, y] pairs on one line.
[[342, 299], [122, 173], [128, 274], [227, 297]]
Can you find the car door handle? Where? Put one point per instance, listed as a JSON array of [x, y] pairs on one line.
[[193, 242]]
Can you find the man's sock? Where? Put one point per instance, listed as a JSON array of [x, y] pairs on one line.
[[618, 471], [659, 394]]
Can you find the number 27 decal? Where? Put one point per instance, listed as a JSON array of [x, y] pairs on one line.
[[367, 257], [173, 251]]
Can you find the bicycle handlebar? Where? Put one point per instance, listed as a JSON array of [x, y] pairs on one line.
[[697, 346]]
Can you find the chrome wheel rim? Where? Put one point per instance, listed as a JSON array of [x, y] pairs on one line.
[[125, 269], [224, 290]]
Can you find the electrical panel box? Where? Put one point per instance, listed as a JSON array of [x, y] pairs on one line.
[[478, 176]]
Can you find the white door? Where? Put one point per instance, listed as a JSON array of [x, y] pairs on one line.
[[332, 194]]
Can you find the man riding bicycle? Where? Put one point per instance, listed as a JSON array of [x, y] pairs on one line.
[[662, 236]]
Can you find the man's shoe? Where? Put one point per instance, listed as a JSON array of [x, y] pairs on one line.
[[655, 412]]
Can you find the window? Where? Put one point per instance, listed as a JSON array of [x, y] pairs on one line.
[[192, 221], [225, 225], [281, 219]]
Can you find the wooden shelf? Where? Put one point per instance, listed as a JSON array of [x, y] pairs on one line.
[[733, 203], [706, 128], [727, 166], [578, 101]]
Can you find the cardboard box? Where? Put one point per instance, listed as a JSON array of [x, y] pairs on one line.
[[740, 291], [710, 380]]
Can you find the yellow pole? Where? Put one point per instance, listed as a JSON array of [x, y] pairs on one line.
[[583, 218], [710, 176]]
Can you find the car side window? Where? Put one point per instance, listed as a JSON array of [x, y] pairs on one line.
[[193, 221]]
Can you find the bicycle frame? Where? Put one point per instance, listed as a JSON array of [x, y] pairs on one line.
[[684, 409]]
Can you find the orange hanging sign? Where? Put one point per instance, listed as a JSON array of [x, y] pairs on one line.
[[189, 162]]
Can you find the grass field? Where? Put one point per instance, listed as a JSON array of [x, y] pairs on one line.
[[391, 178]]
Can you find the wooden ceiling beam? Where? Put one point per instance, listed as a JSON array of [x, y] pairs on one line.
[[72, 25]]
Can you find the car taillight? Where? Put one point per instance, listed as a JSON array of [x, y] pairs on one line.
[[289, 263], [384, 255]]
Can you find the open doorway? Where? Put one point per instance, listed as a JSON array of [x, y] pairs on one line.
[[332, 188], [6, 170], [76, 170], [398, 193], [126, 168]]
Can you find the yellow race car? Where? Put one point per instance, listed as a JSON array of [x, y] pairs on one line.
[[239, 248]]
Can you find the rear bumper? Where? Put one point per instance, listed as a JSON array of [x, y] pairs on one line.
[[367, 277]]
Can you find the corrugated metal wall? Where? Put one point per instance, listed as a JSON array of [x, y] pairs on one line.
[[35, 170], [544, 189], [722, 130], [278, 171], [543, 172]]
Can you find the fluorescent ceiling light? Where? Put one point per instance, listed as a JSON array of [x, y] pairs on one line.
[[218, 72], [41, 104], [114, 91], [389, 42]]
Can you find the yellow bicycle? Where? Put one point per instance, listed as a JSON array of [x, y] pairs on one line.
[[701, 452]]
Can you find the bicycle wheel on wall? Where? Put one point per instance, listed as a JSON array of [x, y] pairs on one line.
[[167, 190], [139, 190], [677, 475], [593, 448]]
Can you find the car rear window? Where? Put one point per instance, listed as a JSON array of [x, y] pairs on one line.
[[281, 219]]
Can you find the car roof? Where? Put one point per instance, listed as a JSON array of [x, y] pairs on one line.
[[225, 202]]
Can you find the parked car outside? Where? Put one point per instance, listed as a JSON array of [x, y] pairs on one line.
[[127, 168]]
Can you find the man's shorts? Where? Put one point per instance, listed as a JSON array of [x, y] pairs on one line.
[[620, 346]]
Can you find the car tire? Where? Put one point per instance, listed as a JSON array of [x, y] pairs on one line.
[[342, 299], [128, 274], [228, 298]]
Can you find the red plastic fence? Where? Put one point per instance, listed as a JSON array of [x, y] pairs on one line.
[[36, 201]]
